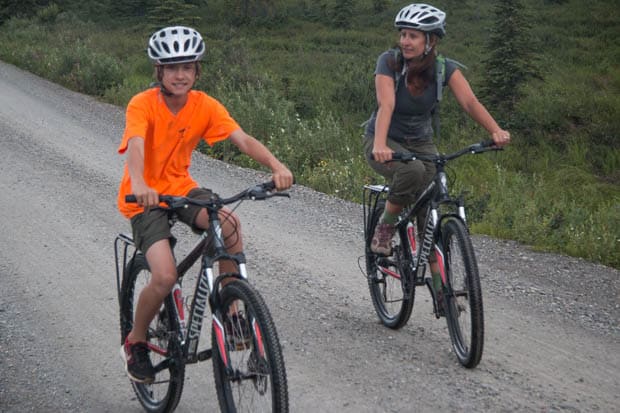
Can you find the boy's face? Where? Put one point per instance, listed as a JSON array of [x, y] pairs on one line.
[[179, 78]]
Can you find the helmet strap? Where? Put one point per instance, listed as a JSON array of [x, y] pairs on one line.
[[160, 76], [427, 46]]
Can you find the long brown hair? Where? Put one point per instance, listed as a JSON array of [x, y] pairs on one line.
[[420, 72]]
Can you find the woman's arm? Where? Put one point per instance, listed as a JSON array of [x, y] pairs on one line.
[[469, 102], [386, 100], [252, 147]]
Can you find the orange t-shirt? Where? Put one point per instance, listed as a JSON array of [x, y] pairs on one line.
[[169, 140]]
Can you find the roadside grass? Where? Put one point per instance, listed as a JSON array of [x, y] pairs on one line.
[[303, 88]]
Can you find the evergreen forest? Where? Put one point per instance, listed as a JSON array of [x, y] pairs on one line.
[[298, 75]]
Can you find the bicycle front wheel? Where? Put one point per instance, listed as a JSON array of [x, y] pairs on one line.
[[386, 276], [248, 365], [164, 393], [463, 294]]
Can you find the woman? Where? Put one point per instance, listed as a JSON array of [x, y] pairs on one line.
[[403, 121]]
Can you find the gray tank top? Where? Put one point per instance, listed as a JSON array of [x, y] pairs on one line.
[[412, 117]]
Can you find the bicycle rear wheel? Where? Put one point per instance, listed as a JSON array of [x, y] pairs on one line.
[[164, 393], [386, 276], [463, 294], [248, 365]]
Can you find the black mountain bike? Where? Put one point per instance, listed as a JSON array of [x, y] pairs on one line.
[[392, 280], [248, 365]]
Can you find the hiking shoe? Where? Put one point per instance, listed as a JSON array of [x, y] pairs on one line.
[[238, 334], [137, 362], [382, 239]]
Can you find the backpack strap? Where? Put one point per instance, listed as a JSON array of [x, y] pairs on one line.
[[398, 75], [440, 75], [440, 78]]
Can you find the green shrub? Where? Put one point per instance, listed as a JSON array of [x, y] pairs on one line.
[[48, 14]]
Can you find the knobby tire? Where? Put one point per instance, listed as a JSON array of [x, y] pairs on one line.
[[253, 383], [392, 305], [464, 313]]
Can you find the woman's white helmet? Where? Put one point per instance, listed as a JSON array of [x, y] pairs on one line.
[[176, 44], [422, 17]]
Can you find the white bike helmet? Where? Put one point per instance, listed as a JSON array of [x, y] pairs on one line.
[[422, 17], [177, 44]]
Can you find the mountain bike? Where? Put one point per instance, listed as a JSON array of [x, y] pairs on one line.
[[445, 235], [248, 365]]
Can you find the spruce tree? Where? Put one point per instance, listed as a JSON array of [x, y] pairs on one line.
[[343, 10], [172, 13], [509, 58]]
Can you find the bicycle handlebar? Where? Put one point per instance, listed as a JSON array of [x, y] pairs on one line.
[[255, 193], [480, 147]]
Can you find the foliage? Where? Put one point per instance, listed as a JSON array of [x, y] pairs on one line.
[[48, 14], [19, 8], [343, 10], [171, 13], [508, 64], [302, 84]]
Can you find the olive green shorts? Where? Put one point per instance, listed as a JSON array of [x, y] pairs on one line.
[[408, 179], [153, 225]]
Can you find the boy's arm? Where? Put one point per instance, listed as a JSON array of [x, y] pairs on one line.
[[252, 147], [145, 195]]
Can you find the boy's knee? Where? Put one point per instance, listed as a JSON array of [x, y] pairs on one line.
[[164, 282]]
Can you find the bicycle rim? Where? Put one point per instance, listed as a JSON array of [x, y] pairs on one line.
[[385, 279], [464, 313], [164, 393], [248, 365]]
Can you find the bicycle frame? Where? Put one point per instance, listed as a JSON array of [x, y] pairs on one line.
[[206, 284], [416, 257], [444, 243]]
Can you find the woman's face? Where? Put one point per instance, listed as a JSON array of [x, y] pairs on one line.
[[179, 78], [412, 43]]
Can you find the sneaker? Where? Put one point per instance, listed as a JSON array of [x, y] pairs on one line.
[[238, 335], [137, 362], [381, 240]]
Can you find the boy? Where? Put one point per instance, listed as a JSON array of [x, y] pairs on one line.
[[163, 126]]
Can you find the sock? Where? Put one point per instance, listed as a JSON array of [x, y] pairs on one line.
[[388, 218], [437, 281]]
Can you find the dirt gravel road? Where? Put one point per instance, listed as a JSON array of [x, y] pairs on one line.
[[552, 322]]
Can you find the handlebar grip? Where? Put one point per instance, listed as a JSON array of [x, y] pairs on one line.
[[269, 186], [130, 199], [487, 143]]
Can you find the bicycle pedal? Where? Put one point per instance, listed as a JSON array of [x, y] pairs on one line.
[[205, 355], [386, 261]]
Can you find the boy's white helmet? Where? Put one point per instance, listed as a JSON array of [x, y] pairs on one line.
[[422, 17], [176, 44]]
